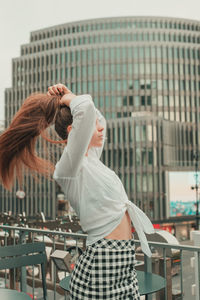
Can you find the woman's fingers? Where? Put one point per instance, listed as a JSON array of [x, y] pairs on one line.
[[54, 88], [50, 91], [62, 88], [58, 89]]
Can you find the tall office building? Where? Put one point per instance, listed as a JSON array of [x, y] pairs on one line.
[[143, 74]]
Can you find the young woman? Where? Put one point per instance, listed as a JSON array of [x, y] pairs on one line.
[[106, 269]]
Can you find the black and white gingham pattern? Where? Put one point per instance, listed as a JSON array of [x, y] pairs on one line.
[[106, 271]]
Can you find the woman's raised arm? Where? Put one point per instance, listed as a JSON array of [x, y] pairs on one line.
[[83, 126]]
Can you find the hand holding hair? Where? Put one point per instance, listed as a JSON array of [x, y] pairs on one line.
[[58, 90], [61, 90]]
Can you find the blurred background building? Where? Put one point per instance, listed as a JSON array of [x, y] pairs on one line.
[[144, 75]]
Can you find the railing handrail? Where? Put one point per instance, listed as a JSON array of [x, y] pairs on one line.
[[83, 235], [55, 232], [172, 246]]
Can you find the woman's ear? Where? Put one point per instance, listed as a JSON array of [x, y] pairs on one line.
[[69, 127]]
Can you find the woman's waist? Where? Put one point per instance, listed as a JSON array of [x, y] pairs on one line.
[[123, 231], [99, 216]]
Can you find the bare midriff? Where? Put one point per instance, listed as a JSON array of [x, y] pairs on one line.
[[123, 230]]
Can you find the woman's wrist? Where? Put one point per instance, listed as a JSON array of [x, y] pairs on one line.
[[67, 98]]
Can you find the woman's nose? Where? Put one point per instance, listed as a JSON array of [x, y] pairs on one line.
[[99, 126]]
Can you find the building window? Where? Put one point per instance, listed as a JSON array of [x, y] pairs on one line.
[[142, 68], [141, 52], [159, 68], [136, 85], [95, 55], [118, 85], [159, 84], [138, 156], [137, 133], [143, 100], [136, 101], [135, 68], [153, 52]]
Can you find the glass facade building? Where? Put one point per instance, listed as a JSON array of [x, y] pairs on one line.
[[143, 74]]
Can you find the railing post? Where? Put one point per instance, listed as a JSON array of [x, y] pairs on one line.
[[165, 294], [11, 271], [147, 264], [196, 239], [148, 268], [23, 269]]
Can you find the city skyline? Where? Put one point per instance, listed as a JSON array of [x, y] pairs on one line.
[[17, 15]]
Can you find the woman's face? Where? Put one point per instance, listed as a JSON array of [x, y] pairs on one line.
[[97, 138]]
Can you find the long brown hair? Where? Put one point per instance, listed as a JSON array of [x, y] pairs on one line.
[[17, 143]]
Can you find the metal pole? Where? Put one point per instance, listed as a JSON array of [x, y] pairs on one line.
[[148, 268], [23, 269], [197, 159], [196, 239], [197, 191], [196, 187]]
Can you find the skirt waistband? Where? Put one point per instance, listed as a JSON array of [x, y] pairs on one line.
[[113, 244]]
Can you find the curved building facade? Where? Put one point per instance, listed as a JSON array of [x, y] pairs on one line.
[[143, 74]]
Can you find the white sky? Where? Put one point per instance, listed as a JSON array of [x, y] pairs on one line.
[[19, 17]]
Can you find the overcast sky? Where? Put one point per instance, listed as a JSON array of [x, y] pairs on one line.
[[19, 17]]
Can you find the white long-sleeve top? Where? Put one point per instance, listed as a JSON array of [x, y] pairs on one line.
[[95, 191]]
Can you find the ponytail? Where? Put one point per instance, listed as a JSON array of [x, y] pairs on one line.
[[18, 141]]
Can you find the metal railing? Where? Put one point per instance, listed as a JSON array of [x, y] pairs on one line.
[[181, 248], [10, 235]]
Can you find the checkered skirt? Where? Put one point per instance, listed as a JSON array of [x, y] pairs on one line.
[[105, 271]]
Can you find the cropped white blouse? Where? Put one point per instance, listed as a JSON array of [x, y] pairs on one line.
[[95, 191]]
